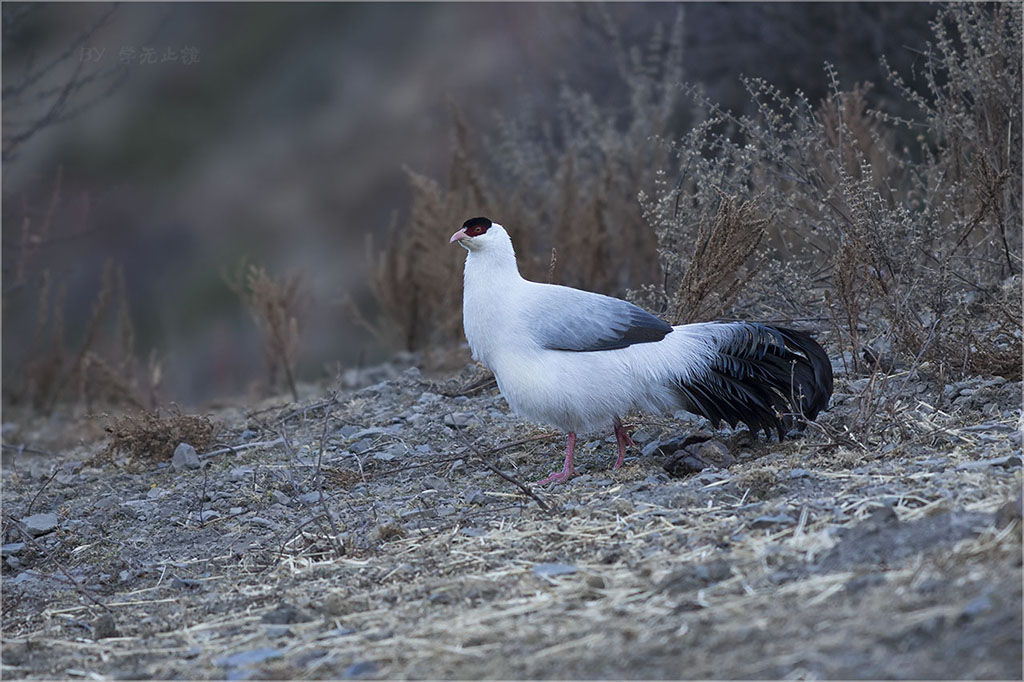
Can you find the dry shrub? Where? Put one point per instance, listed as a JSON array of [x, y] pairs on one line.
[[278, 308], [705, 284], [910, 247], [102, 368], [97, 372], [152, 437]]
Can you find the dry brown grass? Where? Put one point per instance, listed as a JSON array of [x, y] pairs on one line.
[[152, 437], [103, 369], [724, 257]]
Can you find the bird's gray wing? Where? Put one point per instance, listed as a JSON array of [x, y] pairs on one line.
[[562, 318]]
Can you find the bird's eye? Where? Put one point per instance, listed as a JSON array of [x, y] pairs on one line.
[[475, 227]]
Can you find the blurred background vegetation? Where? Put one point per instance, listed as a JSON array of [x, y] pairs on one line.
[[152, 150]]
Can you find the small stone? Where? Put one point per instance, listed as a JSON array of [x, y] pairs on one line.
[[338, 632], [107, 502], [310, 498], [777, 519], [461, 419], [695, 453], [105, 626], [185, 457], [40, 524], [12, 548], [975, 608], [336, 604], [209, 515], [799, 473], [280, 498], [240, 474], [1008, 462], [1007, 513], [359, 669], [371, 432], [433, 482], [155, 493], [595, 582], [551, 570], [286, 614]]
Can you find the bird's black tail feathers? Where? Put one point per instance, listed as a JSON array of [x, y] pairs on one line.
[[769, 378]]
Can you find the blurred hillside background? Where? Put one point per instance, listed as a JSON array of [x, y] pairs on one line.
[[193, 135]]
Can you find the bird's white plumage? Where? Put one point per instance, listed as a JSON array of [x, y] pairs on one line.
[[510, 321]]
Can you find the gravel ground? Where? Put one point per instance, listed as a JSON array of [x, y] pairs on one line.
[[364, 534]]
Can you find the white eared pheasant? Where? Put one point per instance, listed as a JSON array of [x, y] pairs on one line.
[[579, 360]]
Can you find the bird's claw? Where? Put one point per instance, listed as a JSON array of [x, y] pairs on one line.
[[557, 477]]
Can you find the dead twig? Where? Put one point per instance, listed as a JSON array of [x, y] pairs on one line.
[[28, 511], [244, 446], [202, 495], [522, 486]]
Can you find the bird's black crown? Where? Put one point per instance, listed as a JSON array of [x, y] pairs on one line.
[[477, 222], [474, 227]]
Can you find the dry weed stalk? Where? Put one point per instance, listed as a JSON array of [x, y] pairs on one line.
[[278, 308], [52, 371], [723, 260]]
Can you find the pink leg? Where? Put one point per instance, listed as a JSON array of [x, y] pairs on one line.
[[623, 439], [567, 471]]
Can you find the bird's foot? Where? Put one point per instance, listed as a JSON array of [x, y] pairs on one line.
[[557, 477], [623, 439]]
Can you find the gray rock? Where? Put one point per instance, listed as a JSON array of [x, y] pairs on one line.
[[40, 524], [12, 548], [799, 473], [461, 419], [209, 515], [185, 457], [359, 669], [310, 498], [777, 519], [551, 570], [372, 432], [107, 502], [240, 474], [433, 482], [155, 493], [25, 577], [105, 626], [1008, 462], [280, 498]]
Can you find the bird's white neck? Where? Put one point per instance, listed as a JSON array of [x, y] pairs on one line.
[[490, 282]]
